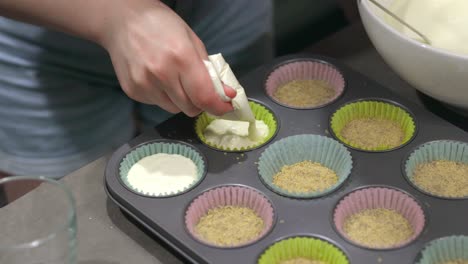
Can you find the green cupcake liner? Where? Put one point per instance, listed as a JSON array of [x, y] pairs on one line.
[[372, 109], [161, 147], [436, 150], [445, 249], [294, 149], [305, 247], [260, 112]]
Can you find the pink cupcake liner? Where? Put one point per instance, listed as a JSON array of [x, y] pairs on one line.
[[305, 70], [229, 196], [380, 197]]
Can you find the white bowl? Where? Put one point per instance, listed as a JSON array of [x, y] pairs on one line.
[[440, 74]]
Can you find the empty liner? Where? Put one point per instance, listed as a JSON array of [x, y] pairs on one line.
[[303, 247], [287, 151], [229, 196], [436, 150], [305, 70], [380, 197], [153, 148], [260, 112], [444, 250], [372, 109]]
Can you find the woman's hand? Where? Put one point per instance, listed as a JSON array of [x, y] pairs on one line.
[[158, 59]]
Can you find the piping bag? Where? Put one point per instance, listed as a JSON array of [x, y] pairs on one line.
[[220, 73]]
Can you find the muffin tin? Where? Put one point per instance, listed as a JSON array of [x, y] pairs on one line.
[[294, 217]]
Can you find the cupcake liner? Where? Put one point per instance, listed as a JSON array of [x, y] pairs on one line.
[[294, 149], [260, 112], [436, 150], [372, 109], [229, 196], [305, 247], [305, 70], [445, 249], [379, 197], [162, 147]]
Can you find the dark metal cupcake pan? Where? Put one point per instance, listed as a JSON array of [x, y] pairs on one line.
[[311, 217]]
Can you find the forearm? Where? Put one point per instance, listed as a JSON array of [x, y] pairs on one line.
[[84, 18]]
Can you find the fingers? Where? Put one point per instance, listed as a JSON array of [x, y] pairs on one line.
[[230, 92], [166, 79], [197, 83], [140, 85], [157, 97], [177, 95], [198, 86], [166, 103]]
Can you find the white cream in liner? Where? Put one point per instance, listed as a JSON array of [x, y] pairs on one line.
[[234, 134], [162, 173]]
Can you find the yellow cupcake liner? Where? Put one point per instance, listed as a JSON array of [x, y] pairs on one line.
[[372, 109], [260, 112], [303, 247]]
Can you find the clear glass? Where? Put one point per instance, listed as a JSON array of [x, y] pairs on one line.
[[39, 227]]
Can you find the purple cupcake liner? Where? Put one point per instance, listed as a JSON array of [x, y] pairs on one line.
[[305, 70], [380, 197], [229, 196]]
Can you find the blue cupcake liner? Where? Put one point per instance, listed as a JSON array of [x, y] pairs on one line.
[[153, 148], [445, 249], [290, 150], [449, 150]]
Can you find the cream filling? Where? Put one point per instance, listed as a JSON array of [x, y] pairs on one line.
[[444, 22], [162, 173], [234, 134]]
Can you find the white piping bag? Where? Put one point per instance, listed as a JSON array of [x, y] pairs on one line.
[[220, 73]]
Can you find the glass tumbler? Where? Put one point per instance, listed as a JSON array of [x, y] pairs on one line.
[[39, 227]]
